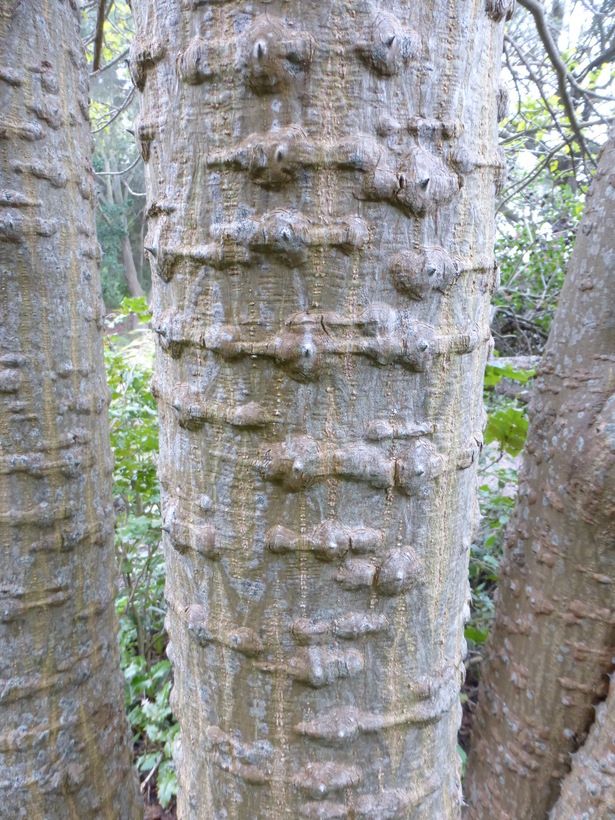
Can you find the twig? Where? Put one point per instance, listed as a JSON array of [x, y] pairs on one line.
[[130, 191], [151, 773], [122, 107], [112, 62]]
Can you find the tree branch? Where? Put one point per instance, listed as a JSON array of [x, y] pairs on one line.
[[117, 173], [112, 62], [536, 9], [98, 37], [605, 57]]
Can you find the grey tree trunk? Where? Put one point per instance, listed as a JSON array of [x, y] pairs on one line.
[[132, 278], [553, 643], [321, 179], [65, 746]]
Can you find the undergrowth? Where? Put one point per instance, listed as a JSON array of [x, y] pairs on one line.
[[140, 602]]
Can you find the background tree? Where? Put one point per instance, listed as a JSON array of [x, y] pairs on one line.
[[320, 203], [558, 72], [552, 647], [118, 166], [64, 740], [537, 217]]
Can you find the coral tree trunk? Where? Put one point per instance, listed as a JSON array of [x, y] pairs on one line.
[[553, 644], [64, 739], [589, 789], [321, 179]]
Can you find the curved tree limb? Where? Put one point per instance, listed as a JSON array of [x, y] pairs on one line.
[[536, 9]]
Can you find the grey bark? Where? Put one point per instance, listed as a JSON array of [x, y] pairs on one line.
[[320, 180], [552, 647], [65, 744]]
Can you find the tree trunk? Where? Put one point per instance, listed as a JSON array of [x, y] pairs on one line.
[[553, 641], [589, 789], [132, 279], [65, 745], [321, 183]]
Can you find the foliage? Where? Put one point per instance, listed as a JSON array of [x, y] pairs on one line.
[[559, 118], [535, 239], [495, 371], [504, 439], [140, 601], [118, 31], [113, 108], [507, 426], [110, 220]]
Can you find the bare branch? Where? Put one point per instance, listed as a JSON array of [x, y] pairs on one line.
[[112, 62], [606, 57], [536, 9], [117, 173], [122, 107], [98, 37]]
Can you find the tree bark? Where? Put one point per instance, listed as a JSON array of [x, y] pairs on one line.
[[589, 789], [321, 180], [552, 645], [65, 744]]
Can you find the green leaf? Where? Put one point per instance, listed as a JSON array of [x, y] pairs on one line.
[[508, 427], [495, 372], [473, 633], [464, 759], [167, 783]]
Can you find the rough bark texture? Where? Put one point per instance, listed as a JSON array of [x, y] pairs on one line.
[[589, 790], [554, 638], [64, 739], [321, 178]]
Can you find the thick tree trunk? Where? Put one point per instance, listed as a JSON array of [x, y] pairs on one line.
[[321, 182], [553, 641], [65, 746]]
